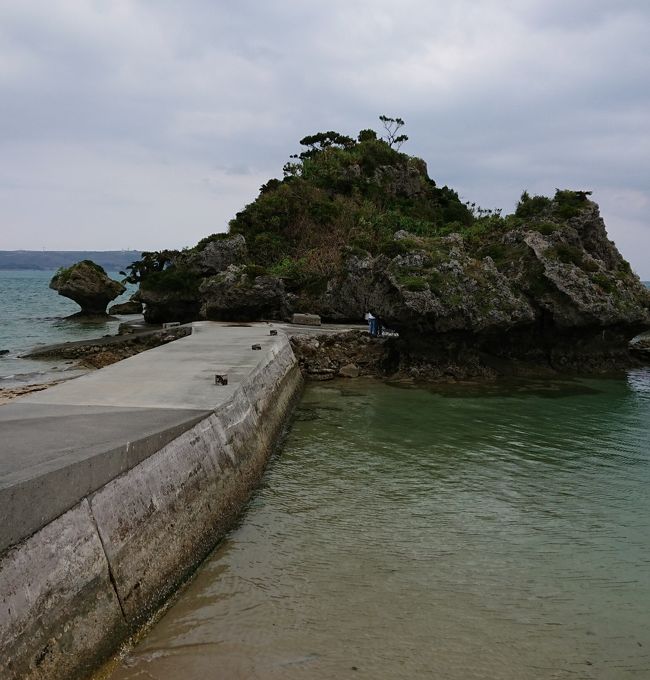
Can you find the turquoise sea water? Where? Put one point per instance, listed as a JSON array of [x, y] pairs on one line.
[[499, 532], [32, 314]]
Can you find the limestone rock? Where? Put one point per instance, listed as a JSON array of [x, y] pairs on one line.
[[88, 285], [349, 354], [306, 319], [217, 255], [130, 307], [236, 294], [349, 371], [640, 346]]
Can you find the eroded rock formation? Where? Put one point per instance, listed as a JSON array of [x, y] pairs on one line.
[[88, 285]]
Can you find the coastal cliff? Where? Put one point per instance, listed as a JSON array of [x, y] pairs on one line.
[[356, 225]]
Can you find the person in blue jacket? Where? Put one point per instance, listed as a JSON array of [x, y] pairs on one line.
[[373, 325]]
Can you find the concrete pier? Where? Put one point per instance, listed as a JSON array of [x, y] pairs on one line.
[[114, 486]]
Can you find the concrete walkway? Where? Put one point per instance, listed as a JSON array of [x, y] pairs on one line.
[[59, 445]]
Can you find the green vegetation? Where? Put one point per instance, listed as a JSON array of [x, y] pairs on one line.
[[342, 196], [255, 270], [604, 281], [205, 242], [413, 283], [435, 280], [567, 253], [392, 248], [548, 228], [150, 264], [531, 207], [64, 273], [172, 280], [568, 204]]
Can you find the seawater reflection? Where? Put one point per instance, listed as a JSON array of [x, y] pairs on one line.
[[464, 532]]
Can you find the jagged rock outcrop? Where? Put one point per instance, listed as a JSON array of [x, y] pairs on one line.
[[438, 292], [130, 307], [348, 354], [241, 294], [171, 292], [217, 255], [640, 347], [88, 285]]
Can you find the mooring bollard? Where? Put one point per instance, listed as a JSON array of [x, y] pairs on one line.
[[273, 332], [256, 346], [220, 379]]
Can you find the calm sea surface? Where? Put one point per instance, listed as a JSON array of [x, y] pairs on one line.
[[32, 314], [496, 532]]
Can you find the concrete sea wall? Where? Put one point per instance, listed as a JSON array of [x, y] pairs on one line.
[[75, 588]]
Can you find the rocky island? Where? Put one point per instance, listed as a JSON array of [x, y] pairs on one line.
[[88, 285], [355, 225]]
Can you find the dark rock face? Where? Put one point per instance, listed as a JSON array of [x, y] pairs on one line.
[[235, 295], [349, 354], [173, 294], [130, 307], [640, 347], [162, 306], [88, 285]]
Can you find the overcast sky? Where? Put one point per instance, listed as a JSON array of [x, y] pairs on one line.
[[148, 124]]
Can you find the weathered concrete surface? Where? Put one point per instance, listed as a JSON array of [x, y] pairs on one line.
[[59, 613], [178, 457], [54, 455], [159, 520]]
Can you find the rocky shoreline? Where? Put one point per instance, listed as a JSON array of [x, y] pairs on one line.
[[100, 352], [95, 353], [352, 354], [348, 353]]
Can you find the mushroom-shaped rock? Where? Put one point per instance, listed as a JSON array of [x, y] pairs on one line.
[[88, 285]]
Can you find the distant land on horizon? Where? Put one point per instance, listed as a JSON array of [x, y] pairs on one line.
[[111, 260], [44, 260]]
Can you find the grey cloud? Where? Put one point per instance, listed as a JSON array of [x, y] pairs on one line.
[[498, 96]]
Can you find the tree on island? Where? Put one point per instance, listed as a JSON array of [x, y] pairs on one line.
[[392, 127]]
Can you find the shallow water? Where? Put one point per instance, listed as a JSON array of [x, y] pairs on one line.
[[452, 533], [32, 314]]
